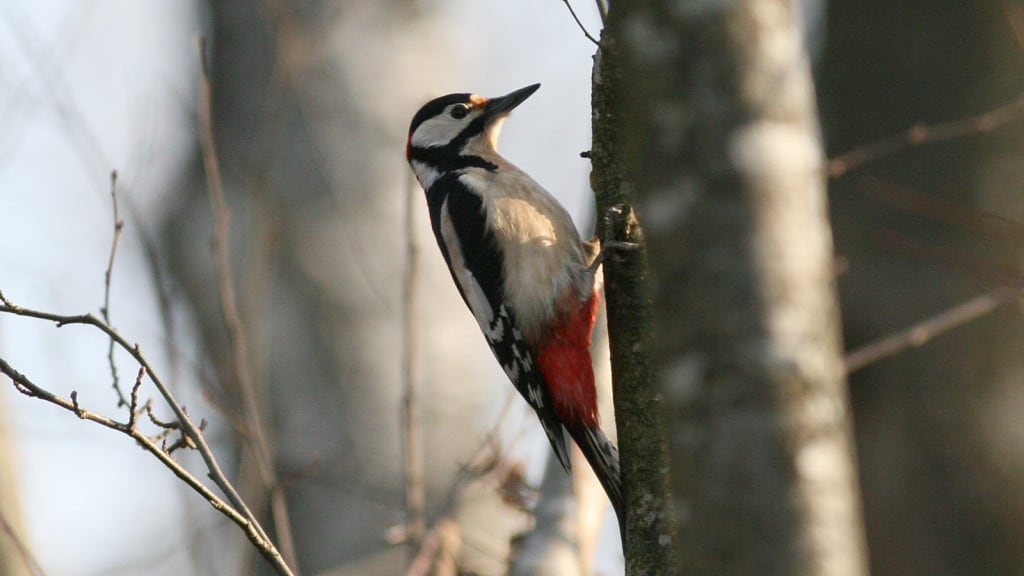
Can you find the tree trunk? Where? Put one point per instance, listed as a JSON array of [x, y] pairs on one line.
[[646, 528], [723, 137]]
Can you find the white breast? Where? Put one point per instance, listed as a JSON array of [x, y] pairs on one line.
[[543, 260]]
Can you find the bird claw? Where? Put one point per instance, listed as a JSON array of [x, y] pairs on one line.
[[611, 246]]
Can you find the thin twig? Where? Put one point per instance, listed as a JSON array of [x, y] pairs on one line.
[[262, 449], [105, 310], [85, 141], [133, 408], [423, 562], [920, 333], [925, 134], [24, 385], [163, 293], [963, 216], [487, 459], [602, 10], [415, 500], [580, 24], [238, 511]]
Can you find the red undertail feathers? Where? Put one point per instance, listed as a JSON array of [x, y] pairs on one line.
[[564, 362]]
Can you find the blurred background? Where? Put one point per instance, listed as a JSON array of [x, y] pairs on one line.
[[311, 104]]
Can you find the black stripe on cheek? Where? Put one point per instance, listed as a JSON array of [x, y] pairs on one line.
[[444, 161]]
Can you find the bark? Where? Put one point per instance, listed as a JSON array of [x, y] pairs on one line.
[[646, 528], [723, 137]]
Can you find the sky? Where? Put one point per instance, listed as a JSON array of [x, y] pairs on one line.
[[91, 86]]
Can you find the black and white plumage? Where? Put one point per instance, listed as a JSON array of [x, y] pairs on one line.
[[518, 262]]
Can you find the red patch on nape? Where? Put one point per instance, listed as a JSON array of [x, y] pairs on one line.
[[408, 148], [564, 362]]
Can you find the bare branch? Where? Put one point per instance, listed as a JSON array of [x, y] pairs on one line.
[[259, 442], [237, 511], [105, 310], [133, 408], [920, 333], [925, 134], [24, 385], [602, 10], [486, 460], [580, 24], [424, 559]]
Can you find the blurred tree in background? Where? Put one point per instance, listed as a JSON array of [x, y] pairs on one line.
[[311, 102]]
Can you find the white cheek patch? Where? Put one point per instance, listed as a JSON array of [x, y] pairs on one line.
[[440, 129], [436, 131]]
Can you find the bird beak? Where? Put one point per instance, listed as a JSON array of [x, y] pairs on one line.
[[501, 106]]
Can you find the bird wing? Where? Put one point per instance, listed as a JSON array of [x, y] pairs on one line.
[[475, 263]]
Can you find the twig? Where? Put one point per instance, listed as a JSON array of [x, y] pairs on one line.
[[85, 141], [580, 24], [163, 292], [920, 333], [925, 134], [415, 499], [423, 561], [905, 199], [237, 511], [24, 385], [105, 310], [486, 459], [602, 10], [133, 409], [262, 449]]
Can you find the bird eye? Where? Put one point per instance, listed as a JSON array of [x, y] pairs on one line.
[[459, 111]]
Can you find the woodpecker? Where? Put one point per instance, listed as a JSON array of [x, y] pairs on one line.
[[520, 266]]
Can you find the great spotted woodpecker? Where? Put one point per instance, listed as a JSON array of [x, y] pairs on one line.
[[519, 264]]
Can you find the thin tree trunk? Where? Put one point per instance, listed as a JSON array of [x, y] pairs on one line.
[[723, 137], [647, 530]]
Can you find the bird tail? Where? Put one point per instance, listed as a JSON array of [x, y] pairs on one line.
[[604, 459]]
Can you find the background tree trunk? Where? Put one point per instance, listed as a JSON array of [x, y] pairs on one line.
[[310, 136], [723, 138]]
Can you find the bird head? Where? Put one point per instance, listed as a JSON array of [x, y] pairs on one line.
[[447, 124]]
